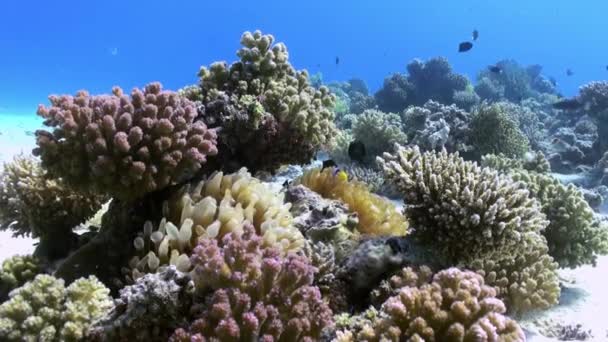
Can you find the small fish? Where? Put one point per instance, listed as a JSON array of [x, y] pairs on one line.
[[286, 183], [569, 72], [319, 65], [341, 175], [328, 163], [465, 46], [568, 104], [606, 67], [337, 60], [356, 151], [475, 34], [495, 69]]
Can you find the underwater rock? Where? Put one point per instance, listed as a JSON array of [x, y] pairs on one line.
[[149, 310]]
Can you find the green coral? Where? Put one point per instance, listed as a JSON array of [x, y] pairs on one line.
[[45, 310], [574, 236], [32, 203], [492, 130], [525, 281], [268, 111], [16, 271], [478, 219], [459, 207], [455, 306], [378, 131], [531, 161]]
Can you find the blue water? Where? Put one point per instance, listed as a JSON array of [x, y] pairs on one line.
[[63, 46]]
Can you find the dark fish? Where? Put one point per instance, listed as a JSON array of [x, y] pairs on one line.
[[337, 60], [318, 65], [569, 72], [606, 67], [568, 104], [465, 46], [495, 69], [286, 183], [475, 34], [328, 163], [356, 151]]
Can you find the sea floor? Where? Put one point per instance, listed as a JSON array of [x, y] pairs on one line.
[[584, 297]]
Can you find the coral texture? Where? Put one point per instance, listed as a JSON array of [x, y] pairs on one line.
[[493, 131], [32, 203], [435, 126], [574, 236], [45, 310], [455, 306], [16, 271], [434, 80], [254, 293], [377, 216], [378, 131], [149, 310], [268, 111], [459, 207], [213, 208], [123, 146]]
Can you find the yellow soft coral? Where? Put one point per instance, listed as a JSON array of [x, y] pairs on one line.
[[377, 216], [211, 209]]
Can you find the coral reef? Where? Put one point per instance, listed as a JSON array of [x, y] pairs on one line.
[[430, 80], [574, 236], [435, 126], [595, 96], [526, 281], [45, 310], [513, 83], [253, 293], [459, 207], [492, 130], [32, 203], [324, 220], [268, 112], [213, 208], [395, 94], [455, 306], [434, 80], [377, 216], [477, 219], [16, 271], [123, 146], [373, 178], [149, 310], [378, 131]]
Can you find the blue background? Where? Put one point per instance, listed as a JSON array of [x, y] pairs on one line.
[[63, 46]]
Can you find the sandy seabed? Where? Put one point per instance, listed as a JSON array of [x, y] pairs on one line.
[[584, 296]]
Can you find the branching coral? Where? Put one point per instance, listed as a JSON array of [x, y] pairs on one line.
[[16, 271], [254, 293], [213, 208], [149, 310], [377, 216], [528, 122], [595, 96], [44, 310], [460, 208], [525, 281], [435, 126], [123, 146], [373, 178], [339, 149], [493, 131], [378, 131], [573, 235], [32, 203], [268, 111], [455, 306], [532, 161]]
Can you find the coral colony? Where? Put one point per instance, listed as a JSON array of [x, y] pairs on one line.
[[185, 233]]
